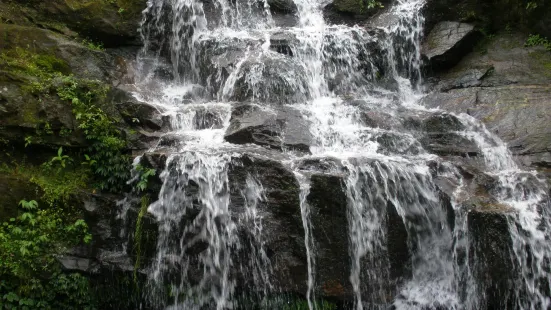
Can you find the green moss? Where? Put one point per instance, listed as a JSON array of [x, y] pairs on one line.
[[138, 233], [32, 64]]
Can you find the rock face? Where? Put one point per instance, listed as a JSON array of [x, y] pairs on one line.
[[506, 86], [447, 42]]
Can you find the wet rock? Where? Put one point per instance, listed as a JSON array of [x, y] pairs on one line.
[[447, 43], [282, 230], [440, 133], [378, 119], [399, 254], [442, 122], [285, 6], [100, 213], [281, 42], [274, 128], [143, 230], [285, 20], [328, 203], [491, 256], [273, 78], [328, 165], [449, 144], [515, 113], [139, 114], [396, 143]]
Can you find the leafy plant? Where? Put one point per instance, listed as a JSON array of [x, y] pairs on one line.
[[366, 5], [531, 5], [63, 160], [30, 276], [144, 174], [28, 140], [93, 45], [88, 160], [537, 40]]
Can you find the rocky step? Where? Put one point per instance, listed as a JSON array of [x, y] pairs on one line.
[[282, 228]]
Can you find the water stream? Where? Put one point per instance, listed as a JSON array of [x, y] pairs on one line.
[[358, 89]]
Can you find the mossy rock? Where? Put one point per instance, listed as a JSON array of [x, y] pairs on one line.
[[111, 22]]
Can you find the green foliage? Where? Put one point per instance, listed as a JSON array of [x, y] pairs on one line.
[[28, 141], [366, 5], [93, 45], [63, 160], [106, 152], [531, 5], [537, 40], [143, 178], [30, 276]]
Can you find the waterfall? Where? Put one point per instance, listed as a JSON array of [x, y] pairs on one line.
[[358, 88]]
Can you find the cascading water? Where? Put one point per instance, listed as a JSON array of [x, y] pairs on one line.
[[359, 90]]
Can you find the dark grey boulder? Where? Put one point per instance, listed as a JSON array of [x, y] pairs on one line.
[[449, 144], [447, 42], [285, 6], [139, 114], [491, 254], [277, 128], [328, 202], [282, 229], [272, 77]]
